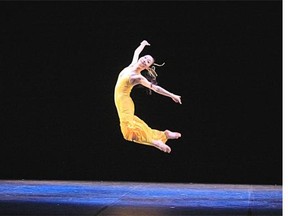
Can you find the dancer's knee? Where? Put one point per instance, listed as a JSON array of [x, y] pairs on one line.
[[129, 133], [126, 137], [130, 136]]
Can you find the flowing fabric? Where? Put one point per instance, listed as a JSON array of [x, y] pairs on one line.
[[133, 128]]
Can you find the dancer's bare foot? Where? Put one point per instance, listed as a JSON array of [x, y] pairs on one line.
[[161, 146], [172, 135]]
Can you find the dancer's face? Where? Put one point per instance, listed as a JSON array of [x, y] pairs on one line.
[[146, 61]]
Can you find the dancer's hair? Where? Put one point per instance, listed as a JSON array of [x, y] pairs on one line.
[[152, 75]]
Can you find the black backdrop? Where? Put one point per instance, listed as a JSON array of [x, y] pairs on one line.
[[59, 63]]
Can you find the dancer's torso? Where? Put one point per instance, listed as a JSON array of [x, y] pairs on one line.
[[123, 101]]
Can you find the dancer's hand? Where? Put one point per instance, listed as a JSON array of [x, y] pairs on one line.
[[145, 43], [177, 98]]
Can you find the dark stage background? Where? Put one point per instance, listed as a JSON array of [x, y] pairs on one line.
[[59, 63]]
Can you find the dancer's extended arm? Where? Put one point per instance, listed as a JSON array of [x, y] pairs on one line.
[[138, 50], [139, 79]]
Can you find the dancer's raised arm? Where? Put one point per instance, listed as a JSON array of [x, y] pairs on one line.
[[138, 50]]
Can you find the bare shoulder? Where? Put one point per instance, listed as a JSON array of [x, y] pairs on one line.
[[135, 79], [124, 71]]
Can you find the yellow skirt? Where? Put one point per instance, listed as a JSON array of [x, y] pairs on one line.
[[138, 131]]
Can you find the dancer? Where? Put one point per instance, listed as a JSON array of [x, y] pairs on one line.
[[133, 128]]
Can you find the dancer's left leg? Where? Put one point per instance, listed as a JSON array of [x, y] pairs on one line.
[[172, 135]]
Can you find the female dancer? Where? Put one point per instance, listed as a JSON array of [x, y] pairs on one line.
[[133, 128]]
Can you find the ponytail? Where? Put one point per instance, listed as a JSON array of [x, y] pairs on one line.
[[152, 75]]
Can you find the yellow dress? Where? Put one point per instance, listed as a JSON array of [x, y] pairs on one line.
[[133, 128]]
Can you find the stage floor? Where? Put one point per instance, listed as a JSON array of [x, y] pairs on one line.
[[136, 198]]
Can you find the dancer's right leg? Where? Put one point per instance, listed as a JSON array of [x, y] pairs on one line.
[[161, 146]]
